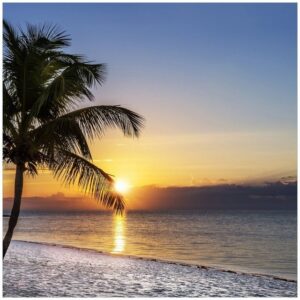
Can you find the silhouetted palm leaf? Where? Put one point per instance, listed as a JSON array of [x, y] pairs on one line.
[[75, 170]]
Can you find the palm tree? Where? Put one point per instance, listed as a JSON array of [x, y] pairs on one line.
[[42, 85]]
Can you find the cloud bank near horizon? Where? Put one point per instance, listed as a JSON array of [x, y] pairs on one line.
[[277, 195]]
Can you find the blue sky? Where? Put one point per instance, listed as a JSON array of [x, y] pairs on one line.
[[191, 69], [237, 61]]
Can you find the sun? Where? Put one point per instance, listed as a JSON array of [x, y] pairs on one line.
[[121, 186]]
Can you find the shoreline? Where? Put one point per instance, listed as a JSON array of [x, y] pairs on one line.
[[203, 267], [33, 269]]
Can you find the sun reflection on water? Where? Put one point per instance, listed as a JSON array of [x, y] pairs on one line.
[[119, 239]]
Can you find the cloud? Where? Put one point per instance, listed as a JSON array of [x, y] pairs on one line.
[[58, 195], [222, 180], [55, 203], [271, 195], [288, 179]]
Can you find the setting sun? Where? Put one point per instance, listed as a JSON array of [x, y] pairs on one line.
[[121, 186]]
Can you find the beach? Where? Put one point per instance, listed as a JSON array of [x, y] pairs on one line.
[[40, 270], [261, 242]]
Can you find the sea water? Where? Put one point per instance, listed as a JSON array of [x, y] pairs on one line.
[[263, 242]]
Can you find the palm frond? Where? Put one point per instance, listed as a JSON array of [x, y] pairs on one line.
[[9, 111], [71, 82], [8, 101], [75, 170], [94, 120], [45, 37], [8, 145], [10, 38], [66, 134]]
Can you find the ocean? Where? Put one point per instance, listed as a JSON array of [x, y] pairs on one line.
[[261, 242]]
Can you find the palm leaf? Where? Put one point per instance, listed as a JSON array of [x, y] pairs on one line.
[[45, 37], [71, 82], [66, 134], [94, 120], [75, 170]]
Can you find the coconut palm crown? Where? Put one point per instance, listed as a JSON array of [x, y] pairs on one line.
[[44, 125]]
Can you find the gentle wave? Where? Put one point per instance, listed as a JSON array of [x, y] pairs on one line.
[[159, 260]]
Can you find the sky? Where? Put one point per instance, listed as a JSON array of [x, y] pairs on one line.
[[271, 196], [217, 84]]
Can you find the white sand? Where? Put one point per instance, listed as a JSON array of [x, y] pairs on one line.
[[36, 270]]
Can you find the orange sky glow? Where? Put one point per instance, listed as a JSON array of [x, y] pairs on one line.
[[179, 160]]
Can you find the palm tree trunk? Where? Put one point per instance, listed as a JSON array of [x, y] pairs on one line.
[[16, 207]]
